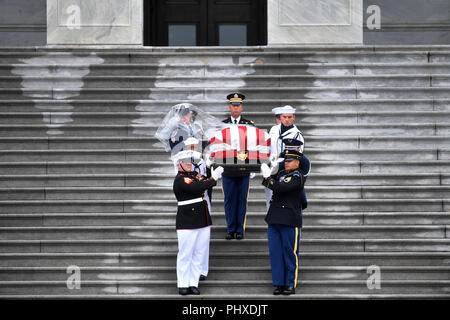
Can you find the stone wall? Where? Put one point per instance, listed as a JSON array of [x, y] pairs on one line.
[[23, 22], [410, 22]]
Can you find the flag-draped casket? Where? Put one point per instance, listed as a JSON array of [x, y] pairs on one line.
[[240, 147]]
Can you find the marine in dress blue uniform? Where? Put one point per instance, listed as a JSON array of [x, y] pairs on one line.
[[235, 184], [284, 219]]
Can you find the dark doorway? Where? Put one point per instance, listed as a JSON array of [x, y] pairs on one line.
[[205, 22]]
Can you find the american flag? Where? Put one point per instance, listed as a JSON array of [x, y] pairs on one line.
[[235, 141]]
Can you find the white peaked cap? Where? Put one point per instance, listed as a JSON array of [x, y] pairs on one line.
[[186, 155], [285, 109]]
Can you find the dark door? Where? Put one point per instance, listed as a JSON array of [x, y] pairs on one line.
[[205, 22]]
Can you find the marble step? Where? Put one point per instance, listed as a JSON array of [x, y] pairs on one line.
[[252, 232], [157, 167], [252, 104], [254, 205], [246, 56], [216, 287], [180, 93], [253, 218], [226, 297], [254, 245], [304, 48], [264, 119], [166, 180], [11, 219], [162, 155], [255, 193], [146, 142], [231, 259], [50, 81], [255, 68], [220, 273], [131, 130]]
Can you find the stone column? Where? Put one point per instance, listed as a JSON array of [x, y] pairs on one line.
[[95, 22], [298, 22]]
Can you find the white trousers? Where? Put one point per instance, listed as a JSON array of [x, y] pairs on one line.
[[193, 256]]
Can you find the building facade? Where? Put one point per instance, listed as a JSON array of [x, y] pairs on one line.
[[224, 22]]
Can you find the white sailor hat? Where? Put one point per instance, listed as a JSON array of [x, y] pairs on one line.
[[285, 109]]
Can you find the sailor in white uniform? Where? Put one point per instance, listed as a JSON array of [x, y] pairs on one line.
[[285, 130]]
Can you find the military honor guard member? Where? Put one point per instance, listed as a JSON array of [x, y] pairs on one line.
[[284, 219], [185, 128], [193, 222], [235, 184], [285, 135]]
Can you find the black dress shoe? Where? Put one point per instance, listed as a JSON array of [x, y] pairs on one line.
[[288, 291], [202, 278], [194, 290], [229, 236], [183, 291], [278, 290], [239, 236]]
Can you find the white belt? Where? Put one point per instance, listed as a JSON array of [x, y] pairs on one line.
[[186, 202]]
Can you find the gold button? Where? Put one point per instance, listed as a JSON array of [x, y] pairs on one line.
[[193, 209]]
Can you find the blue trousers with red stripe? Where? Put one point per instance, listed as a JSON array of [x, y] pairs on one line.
[[235, 190], [284, 254]]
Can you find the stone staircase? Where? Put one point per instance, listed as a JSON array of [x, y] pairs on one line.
[[84, 183]]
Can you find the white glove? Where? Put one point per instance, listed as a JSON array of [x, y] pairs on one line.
[[275, 168], [252, 175], [273, 158], [216, 174], [265, 170], [209, 162]]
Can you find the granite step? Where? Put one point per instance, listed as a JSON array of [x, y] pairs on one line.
[[180, 93], [145, 167], [162, 245], [260, 118], [196, 69], [253, 104], [252, 232], [217, 273], [161, 155], [166, 180], [232, 259], [49, 81], [139, 206], [216, 57], [131, 130], [145, 142], [256, 193], [215, 287], [218, 217]]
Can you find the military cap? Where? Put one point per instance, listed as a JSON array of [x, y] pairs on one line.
[[182, 109], [292, 144], [292, 155], [236, 98]]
